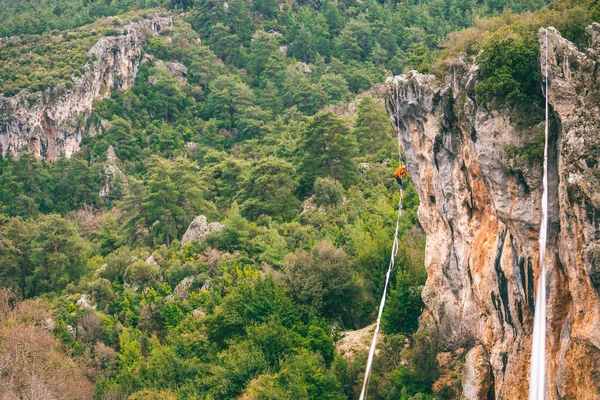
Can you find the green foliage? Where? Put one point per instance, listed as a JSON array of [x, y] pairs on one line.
[[404, 305], [39, 16], [508, 68], [245, 138], [41, 255], [301, 377], [328, 191], [373, 129], [322, 280], [420, 372], [328, 150], [268, 189], [237, 366], [248, 304]]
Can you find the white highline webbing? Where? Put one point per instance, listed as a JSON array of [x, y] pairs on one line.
[[363, 393], [537, 373]]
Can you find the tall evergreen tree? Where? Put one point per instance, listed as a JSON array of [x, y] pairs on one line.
[[328, 151]]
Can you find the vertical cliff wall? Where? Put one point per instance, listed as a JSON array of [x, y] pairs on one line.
[[56, 122], [481, 209]]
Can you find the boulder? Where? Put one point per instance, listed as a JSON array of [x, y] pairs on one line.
[[199, 229], [183, 288]]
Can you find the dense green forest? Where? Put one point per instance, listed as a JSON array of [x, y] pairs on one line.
[[277, 131]]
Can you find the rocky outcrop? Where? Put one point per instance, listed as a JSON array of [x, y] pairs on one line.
[[112, 173], [481, 210], [178, 70], [199, 229], [55, 123], [183, 288]]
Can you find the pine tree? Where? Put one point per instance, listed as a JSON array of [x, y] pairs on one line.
[[269, 190], [373, 130], [328, 151]]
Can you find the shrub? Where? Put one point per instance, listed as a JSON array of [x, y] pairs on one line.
[[328, 191], [142, 273], [508, 68]]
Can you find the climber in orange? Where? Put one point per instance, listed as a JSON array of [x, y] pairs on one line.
[[401, 171]]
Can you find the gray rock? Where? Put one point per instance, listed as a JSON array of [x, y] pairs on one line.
[[84, 302], [111, 172], [178, 70], [169, 299], [302, 67], [151, 260], [51, 126], [206, 286], [183, 288], [50, 324], [199, 229], [477, 374]]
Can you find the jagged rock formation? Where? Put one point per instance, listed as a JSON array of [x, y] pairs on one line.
[[199, 229], [112, 173], [481, 210], [53, 125]]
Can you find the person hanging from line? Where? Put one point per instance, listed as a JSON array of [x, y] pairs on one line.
[[401, 171]]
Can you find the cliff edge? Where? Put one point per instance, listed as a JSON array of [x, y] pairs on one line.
[[481, 209]]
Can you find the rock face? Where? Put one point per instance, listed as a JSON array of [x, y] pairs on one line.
[[481, 209], [199, 229], [53, 125]]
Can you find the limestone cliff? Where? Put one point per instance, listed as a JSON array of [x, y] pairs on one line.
[[55, 123], [481, 210]]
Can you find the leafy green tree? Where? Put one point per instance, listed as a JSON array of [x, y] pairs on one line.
[[301, 377], [74, 184], [508, 68], [223, 178], [322, 280], [58, 255], [328, 150], [268, 189], [328, 191], [355, 41], [237, 366], [420, 58], [308, 35], [24, 187], [15, 248], [248, 304], [335, 86], [141, 273], [165, 99], [300, 91], [373, 129], [404, 306], [124, 139], [276, 342], [262, 48], [227, 99], [171, 199]]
